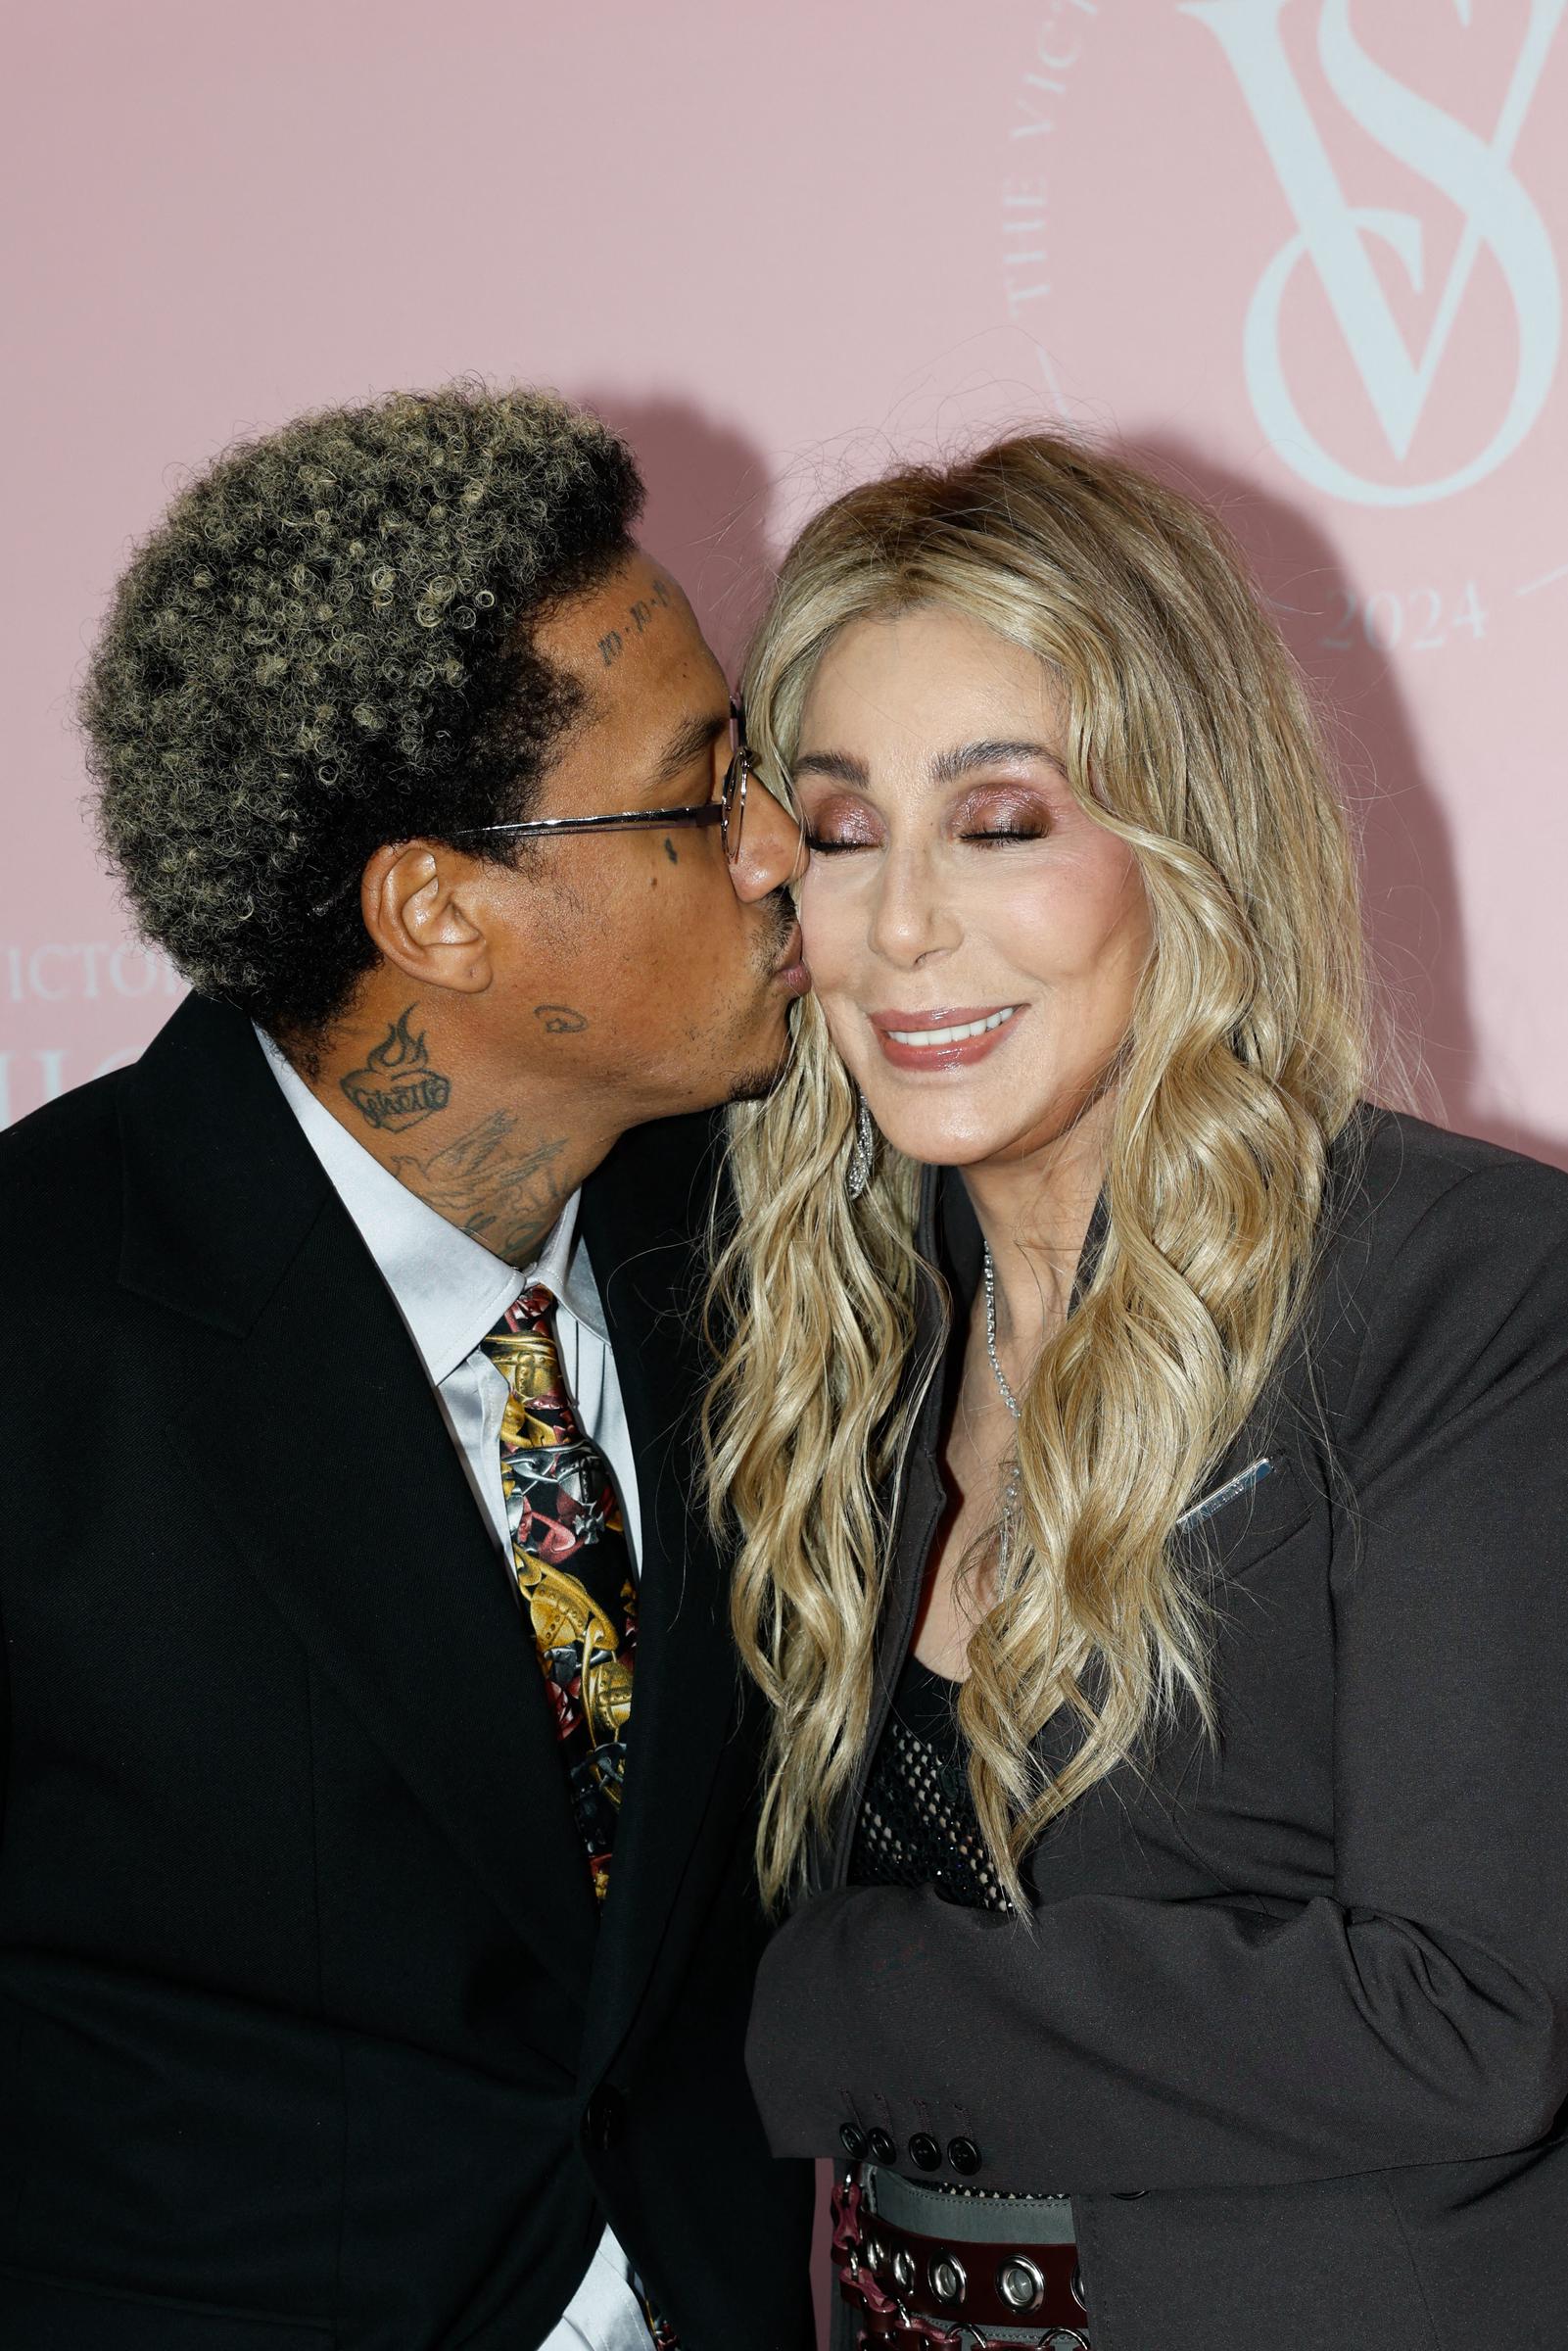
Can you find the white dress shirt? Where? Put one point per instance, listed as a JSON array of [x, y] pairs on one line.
[[450, 1291]]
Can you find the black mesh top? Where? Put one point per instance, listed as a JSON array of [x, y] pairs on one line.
[[917, 1824]]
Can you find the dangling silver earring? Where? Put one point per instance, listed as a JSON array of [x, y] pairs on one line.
[[858, 1173]]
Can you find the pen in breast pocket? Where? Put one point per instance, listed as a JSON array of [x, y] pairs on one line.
[[1253, 1475]]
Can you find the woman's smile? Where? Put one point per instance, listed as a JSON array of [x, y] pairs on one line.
[[947, 1040]]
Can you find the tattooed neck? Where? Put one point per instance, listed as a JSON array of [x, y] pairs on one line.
[[502, 1179], [499, 1183], [397, 1086]]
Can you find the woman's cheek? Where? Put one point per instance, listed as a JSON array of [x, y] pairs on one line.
[[824, 929], [843, 1026], [1056, 925]]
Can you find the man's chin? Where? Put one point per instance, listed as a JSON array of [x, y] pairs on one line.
[[762, 1051], [756, 1082], [755, 1085]]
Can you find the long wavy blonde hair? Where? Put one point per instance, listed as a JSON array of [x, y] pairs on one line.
[[1190, 737]]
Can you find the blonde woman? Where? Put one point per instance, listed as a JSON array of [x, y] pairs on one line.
[[1150, 1467]]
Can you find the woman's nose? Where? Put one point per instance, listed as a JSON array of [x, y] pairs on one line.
[[909, 918]]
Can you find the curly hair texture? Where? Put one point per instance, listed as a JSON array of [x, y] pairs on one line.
[[1190, 737], [323, 647]]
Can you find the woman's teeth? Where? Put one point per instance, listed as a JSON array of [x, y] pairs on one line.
[[951, 1036]]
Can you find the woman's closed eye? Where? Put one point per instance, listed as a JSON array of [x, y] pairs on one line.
[[839, 825], [835, 843], [983, 818], [1001, 814], [831, 844]]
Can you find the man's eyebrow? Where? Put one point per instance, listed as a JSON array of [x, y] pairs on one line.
[[695, 735], [949, 767]]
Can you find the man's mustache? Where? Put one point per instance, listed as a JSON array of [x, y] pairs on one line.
[[782, 907]]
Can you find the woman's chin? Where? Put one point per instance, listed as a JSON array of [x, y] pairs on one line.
[[943, 1143]]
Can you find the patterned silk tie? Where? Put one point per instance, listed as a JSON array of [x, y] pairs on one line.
[[575, 1574], [573, 1568]]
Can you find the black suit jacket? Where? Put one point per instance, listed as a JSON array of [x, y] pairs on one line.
[[1289, 2021], [308, 2035]]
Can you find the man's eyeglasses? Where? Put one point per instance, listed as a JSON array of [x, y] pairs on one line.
[[728, 811]]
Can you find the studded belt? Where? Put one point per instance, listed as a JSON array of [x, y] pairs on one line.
[[936, 2271]]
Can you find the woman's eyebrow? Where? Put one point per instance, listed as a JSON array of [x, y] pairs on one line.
[[948, 767], [840, 765]]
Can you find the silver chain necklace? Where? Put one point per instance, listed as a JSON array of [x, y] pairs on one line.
[[1008, 1397]]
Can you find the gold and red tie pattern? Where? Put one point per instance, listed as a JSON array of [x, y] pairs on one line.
[[573, 1568], [574, 1572]]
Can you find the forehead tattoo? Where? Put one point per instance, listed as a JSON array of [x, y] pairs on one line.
[[641, 616]]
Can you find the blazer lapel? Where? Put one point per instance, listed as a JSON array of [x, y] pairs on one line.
[[325, 1460], [644, 1221]]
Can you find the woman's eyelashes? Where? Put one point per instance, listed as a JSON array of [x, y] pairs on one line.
[[838, 824], [830, 844], [1001, 813], [982, 819]]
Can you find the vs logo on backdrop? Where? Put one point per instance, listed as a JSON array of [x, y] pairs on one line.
[[1471, 173]]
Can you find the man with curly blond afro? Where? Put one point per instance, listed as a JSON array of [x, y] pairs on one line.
[[376, 1920]]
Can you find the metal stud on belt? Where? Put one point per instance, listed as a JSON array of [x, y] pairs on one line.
[[1021, 2285], [888, 2320]]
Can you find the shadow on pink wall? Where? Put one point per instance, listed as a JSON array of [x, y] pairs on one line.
[[707, 512], [1415, 916]]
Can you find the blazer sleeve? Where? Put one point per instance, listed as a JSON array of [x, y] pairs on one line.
[[1416, 2014]]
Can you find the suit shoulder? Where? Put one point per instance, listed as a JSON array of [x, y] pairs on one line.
[[61, 1218], [1445, 1270], [71, 1141], [1393, 1174]]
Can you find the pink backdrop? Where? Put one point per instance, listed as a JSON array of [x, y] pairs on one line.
[[1305, 253]]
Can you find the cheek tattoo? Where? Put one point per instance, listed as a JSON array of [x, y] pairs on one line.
[[560, 1020]]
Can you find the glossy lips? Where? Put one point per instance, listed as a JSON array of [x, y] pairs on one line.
[[946, 1037]]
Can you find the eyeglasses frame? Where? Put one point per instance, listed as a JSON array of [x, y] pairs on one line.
[[731, 798]]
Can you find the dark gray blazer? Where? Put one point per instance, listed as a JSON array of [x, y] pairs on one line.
[[1290, 2020]]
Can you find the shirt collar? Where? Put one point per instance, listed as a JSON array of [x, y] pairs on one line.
[[448, 1287]]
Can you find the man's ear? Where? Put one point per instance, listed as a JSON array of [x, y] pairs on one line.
[[426, 908]]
